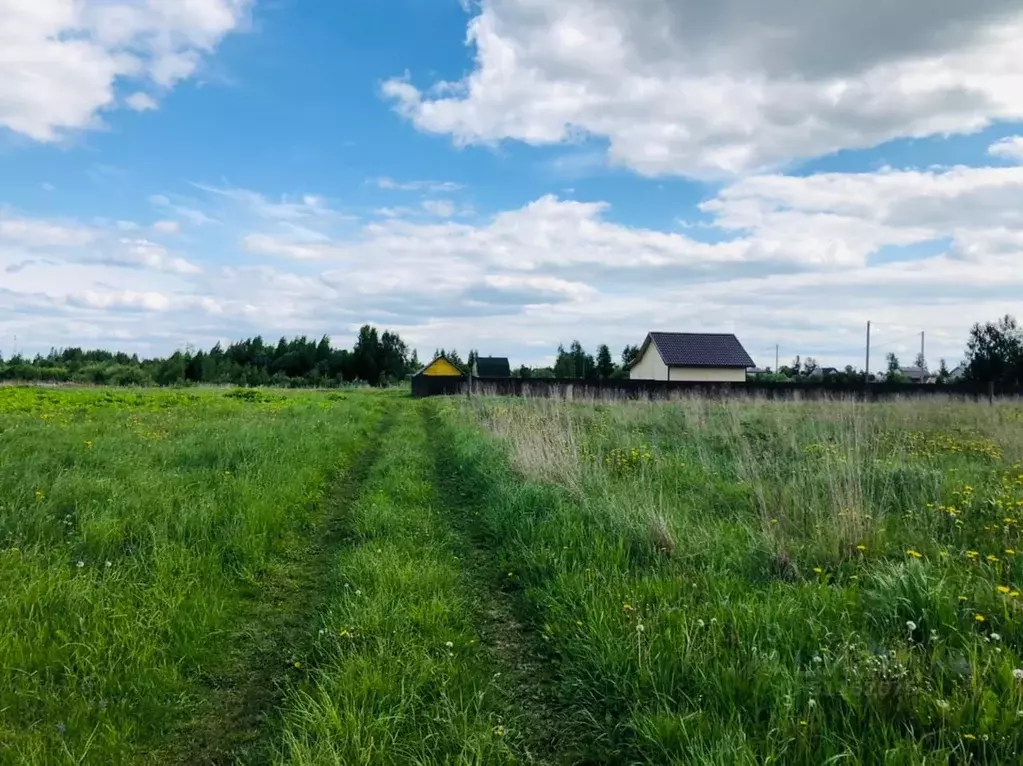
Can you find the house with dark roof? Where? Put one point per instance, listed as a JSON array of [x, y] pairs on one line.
[[491, 367], [914, 374], [688, 356]]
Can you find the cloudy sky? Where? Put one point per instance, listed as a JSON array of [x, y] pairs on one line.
[[510, 174]]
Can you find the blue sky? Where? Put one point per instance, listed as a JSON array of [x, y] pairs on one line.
[[510, 174]]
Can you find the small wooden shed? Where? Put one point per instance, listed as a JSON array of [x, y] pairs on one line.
[[440, 377], [491, 367]]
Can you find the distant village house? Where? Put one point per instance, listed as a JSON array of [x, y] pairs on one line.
[[491, 367]]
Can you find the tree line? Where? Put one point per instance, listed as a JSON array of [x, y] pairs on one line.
[[573, 362], [376, 359], [994, 354]]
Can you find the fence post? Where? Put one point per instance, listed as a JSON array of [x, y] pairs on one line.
[[991, 393]]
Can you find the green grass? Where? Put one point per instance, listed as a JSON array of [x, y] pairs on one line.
[[401, 675], [134, 531], [270, 577], [754, 582]]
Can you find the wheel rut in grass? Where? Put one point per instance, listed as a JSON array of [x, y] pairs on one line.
[[517, 651], [243, 720]]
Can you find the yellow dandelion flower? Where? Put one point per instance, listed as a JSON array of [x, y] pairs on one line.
[[963, 598], [803, 723], [1014, 594], [992, 558], [628, 607], [972, 554], [914, 554], [979, 617], [818, 570], [1010, 552], [861, 547], [774, 521], [969, 736], [1003, 589]]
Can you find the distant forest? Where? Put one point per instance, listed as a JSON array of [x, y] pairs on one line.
[[994, 353], [376, 359]]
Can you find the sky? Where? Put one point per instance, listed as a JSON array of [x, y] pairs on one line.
[[508, 175]]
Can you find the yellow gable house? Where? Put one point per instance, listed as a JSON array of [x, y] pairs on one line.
[[439, 378], [441, 368]]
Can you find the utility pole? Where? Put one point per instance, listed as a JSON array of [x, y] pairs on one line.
[[922, 345], [776, 347], [867, 379]]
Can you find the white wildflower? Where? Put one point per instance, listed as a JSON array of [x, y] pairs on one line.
[[80, 564], [910, 625], [449, 644], [1018, 674], [996, 637]]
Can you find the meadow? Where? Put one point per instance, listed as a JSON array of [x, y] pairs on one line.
[[218, 576]]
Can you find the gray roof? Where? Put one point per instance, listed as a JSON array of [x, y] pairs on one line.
[[691, 349]]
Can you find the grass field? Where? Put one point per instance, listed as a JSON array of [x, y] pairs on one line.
[[358, 578]]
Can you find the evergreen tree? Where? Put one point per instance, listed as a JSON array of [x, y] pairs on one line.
[[605, 365]]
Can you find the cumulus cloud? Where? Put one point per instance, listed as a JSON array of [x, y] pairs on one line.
[[705, 89], [804, 261], [1010, 148], [36, 233], [62, 62], [141, 102]]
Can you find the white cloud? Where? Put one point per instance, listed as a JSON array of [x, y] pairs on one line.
[[265, 244], [442, 208], [141, 102], [35, 233], [1010, 148], [167, 227], [704, 89], [142, 252], [62, 62], [192, 215], [431, 186], [801, 261]]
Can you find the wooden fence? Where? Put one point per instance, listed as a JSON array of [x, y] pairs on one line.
[[561, 388]]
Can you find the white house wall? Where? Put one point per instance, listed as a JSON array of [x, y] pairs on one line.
[[649, 366], [708, 374]]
